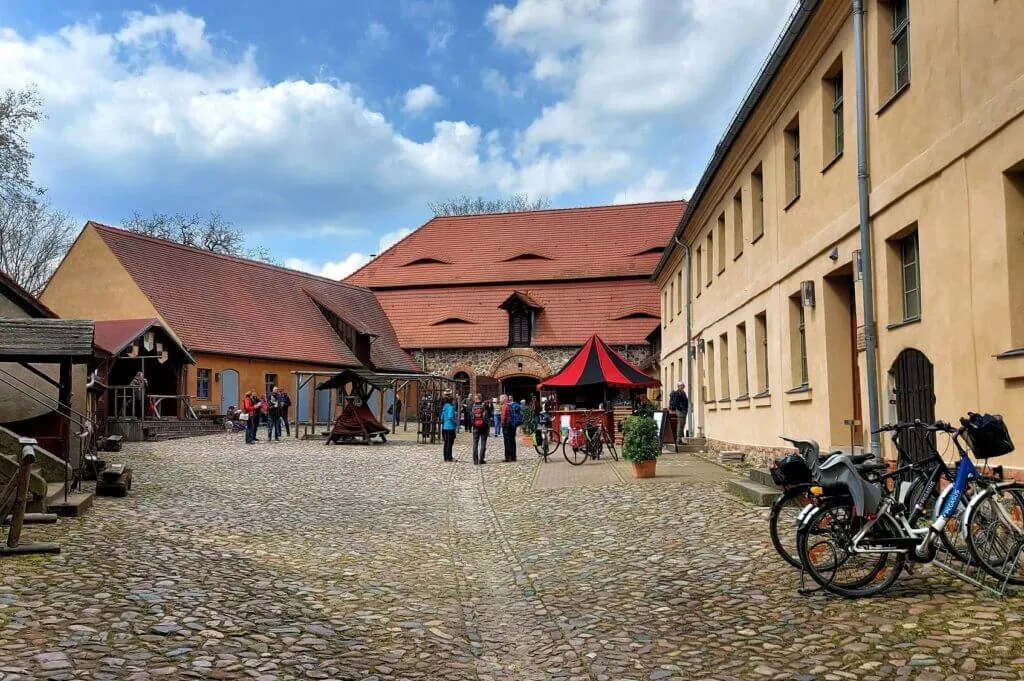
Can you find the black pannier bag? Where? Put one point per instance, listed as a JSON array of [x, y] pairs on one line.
[[987, 435], [790, 470]]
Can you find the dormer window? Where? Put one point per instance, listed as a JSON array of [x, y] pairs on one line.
[[522, 313], [426, 261], [450, 321], [526, 256], [653, 250]]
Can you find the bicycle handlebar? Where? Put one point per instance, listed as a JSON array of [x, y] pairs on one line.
[[938, 426]]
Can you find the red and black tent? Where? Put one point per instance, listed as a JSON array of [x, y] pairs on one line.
[[596, 364]]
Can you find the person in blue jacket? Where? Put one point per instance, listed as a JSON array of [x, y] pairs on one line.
[[449, 424]]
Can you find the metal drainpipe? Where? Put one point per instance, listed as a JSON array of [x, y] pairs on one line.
[[865, 228], [689, 335]]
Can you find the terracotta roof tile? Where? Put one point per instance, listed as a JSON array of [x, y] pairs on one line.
[[113, 336], [572, 312], [490, 248], [226, 305]]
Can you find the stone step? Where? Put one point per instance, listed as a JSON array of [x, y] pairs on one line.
[[730, 456], [699, 441], [761, 476], [755, 493], [76, 505], [691, 448]]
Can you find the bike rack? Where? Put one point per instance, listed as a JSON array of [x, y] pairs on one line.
[[974, 574]]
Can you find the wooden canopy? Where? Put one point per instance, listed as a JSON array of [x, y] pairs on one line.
[[46, 340]]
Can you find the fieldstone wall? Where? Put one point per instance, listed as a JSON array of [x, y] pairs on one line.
[[503, 362]]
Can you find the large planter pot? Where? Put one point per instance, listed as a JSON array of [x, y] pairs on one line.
[[526, 440], [644, 469]]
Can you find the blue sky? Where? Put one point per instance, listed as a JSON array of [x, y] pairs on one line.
[[323, 128]]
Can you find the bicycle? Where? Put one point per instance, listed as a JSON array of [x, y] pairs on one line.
[[851, 518], [588, 443], [546, 440]]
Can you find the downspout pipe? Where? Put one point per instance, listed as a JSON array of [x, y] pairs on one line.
[[865, 225], [689, 334]]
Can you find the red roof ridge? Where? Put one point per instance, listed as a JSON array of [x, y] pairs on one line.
[[235, 258]]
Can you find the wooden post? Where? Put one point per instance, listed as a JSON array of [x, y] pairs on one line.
[[14, 545], [64, 407]]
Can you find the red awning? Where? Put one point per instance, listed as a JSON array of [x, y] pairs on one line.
[[597, 364]]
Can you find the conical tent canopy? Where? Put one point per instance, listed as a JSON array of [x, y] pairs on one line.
[[597, 364]]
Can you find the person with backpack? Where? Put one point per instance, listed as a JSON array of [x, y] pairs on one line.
[[449, 423], [480, 415], [511, 418]]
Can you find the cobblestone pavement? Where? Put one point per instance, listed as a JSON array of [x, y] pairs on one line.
[[296, 560]]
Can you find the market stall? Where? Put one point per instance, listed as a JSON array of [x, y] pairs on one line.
[[596, 381]]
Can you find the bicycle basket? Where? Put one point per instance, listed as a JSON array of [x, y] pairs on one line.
[[790, 470], [988, 436]]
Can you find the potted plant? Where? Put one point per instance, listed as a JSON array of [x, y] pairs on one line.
[[640, 445], [529, 425]]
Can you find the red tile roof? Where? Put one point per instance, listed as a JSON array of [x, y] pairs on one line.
[[573, 243], [114, 336], [572, 312], [225, 305]]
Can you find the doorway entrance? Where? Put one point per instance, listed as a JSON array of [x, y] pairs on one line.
[[520, 387], [228, 390], [844, 389], [913, 393]]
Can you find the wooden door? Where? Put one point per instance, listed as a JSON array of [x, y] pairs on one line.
[[914, 393], [858, 435]]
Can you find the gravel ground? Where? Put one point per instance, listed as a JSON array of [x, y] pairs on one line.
[[296, 560]]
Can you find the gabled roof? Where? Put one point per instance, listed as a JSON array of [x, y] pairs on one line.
[[571, 312], [114, 336], [490, 248], [29, 303], [225, 305], [522, 299]]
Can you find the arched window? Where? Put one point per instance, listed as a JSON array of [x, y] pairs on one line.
[[520, 329], [463, 386]]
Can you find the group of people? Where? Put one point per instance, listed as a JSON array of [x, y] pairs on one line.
[[479, 417], [271, 409]]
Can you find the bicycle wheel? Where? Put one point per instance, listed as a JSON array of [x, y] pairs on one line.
[[782, 525], [954, 534], [824, 550], [609, 444], [577, 456], [542, 443], [995, 532]]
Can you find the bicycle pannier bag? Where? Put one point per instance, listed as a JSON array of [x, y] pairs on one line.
[[988, 436], [790, 470], [478, 417]]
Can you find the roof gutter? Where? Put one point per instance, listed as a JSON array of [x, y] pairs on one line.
[[797, 23]]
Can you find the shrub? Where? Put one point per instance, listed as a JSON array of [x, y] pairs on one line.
[[640, 439], [529, 422]]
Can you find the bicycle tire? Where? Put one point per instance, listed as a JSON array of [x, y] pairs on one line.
[[578, 457], [867, 586], [955, 527], [790, 554], [977, 531], [542, 444]]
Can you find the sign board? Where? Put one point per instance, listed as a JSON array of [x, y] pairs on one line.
[[666, 433]]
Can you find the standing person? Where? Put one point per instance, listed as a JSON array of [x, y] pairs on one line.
[[396, 415], [284, 403], [139, 385], [274, 414], [265, 416], [449, 423], [508, 426], [480, 412], [257, 413], [496, 415], [249, 407], [679, 402]]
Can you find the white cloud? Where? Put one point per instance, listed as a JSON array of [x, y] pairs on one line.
[[392, 238], [495, 81], [377, 34], [624, 64], [653, 187], [421, 98], [331, 270]]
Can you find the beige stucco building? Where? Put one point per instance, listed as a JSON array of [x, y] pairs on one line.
[[776, 298]]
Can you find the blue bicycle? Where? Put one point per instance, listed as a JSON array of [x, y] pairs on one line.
[[856, 536]]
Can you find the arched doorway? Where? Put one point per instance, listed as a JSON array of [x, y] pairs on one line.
[[462, 387], [228, 390], [520, 387], [912, 377]]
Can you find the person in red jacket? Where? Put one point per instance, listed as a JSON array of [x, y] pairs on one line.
[[251, 406]]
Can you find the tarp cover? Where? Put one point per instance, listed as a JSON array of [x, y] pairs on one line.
[[356, 422], [597, 364]]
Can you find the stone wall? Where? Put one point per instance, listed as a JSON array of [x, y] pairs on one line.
[[505, 362]]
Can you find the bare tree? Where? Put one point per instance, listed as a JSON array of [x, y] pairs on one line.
[[213, 233], [468, 205], [33, 239], [19, 111]]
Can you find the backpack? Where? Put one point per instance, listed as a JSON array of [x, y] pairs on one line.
[[515, 414], [478, 416]]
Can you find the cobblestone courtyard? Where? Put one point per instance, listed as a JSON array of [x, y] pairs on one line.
[[296, 560]]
